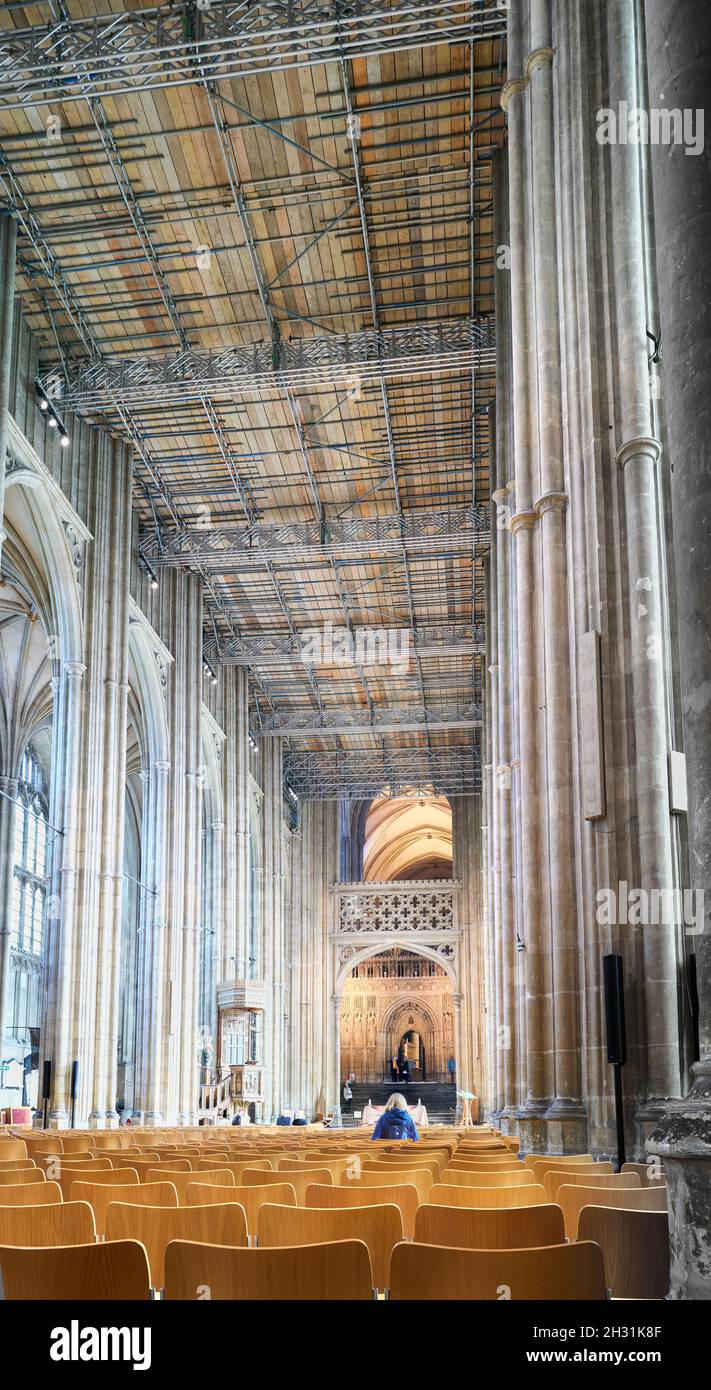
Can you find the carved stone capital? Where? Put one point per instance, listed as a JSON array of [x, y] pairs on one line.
[[539, 58], [645, 445], [551, 502], [522, 521], [511, 89]]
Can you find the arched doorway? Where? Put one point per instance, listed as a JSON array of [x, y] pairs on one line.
[[386, 997]]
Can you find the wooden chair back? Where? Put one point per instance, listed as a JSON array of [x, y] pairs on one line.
[[251, 1199], [99, 1195], [66, 1223], [13, 1148], [238, 1166], [554, 1179], [649, 1174], [156, 1226], [379, 1227], [73, 1273], [635, 1249], [551, 1272], [28, 1194], [464, 1177], [11, 1177], [144, 1167], [95, 1173], [323, 1273], [522, 1195], [219, 1177], [17, 1165], [546, 1161], [508, 1228], [111, 1139], [399, 1165], [571, 1199], [418, 1178], [299, 1178], [405, 1196]]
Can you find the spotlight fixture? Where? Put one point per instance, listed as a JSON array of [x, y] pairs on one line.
[[252, 744], [150, 574], [54, 419], [208, 671]]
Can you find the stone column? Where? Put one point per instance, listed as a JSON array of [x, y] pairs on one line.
[[8, 246], [524, 386], [637, 456], [679, 59], [9, 788], [65, 889], [153, 986]]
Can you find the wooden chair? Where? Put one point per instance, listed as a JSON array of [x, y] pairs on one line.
[[64, 1170], [237, 1166], [379, 1227], [553, 1180], [405, 1196], [635, 1249], [524, 1195], [323, 1273], [74, 1143], [407, 1177], [551, 1272], [251, 1199], [220, 1177], [400, 1165], [299, 1178], [146, 1166], [100, 1195], [571, 1199], [13, 1148], [512, 1228], [487, 1165], [71, 1273], [541, 1163], [29, 1194], [461, 1177], [47, 1160], [66, 1223], [647, 1173], [108, 1139], [156, 1226], [90, 1172], [11, 1177]]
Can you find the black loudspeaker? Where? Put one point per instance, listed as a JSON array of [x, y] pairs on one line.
[[73, 1090], [693, 990], [46, 1088], [614, 1010]]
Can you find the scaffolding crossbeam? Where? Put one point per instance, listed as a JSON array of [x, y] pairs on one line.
[[173, 45]]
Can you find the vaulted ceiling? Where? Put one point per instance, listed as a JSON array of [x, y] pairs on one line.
[[258, 239]]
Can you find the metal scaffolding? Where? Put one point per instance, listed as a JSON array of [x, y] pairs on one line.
[[148, 49], [281, 291]]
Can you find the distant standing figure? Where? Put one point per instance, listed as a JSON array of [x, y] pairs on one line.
[[394, 1073], [285, 1118], [405, 1071], [396, 1121], [347, 1098], [300, 1117], [451, 1068]]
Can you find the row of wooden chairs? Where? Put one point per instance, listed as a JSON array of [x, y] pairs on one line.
[[635, 1245], [337, 1270]]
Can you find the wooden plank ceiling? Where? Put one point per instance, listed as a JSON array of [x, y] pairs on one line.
[[328, 451]]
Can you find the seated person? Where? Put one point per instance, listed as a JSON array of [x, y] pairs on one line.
[[285, 1118], [396, 1121], [300, 1118]]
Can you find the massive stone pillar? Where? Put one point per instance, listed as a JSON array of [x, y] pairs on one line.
[[9, 787], [272, 923], [233, 713], [638, 454], [679, 59], [8, 245]]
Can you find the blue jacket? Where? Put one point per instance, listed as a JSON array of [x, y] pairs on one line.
[[395, 1124]]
